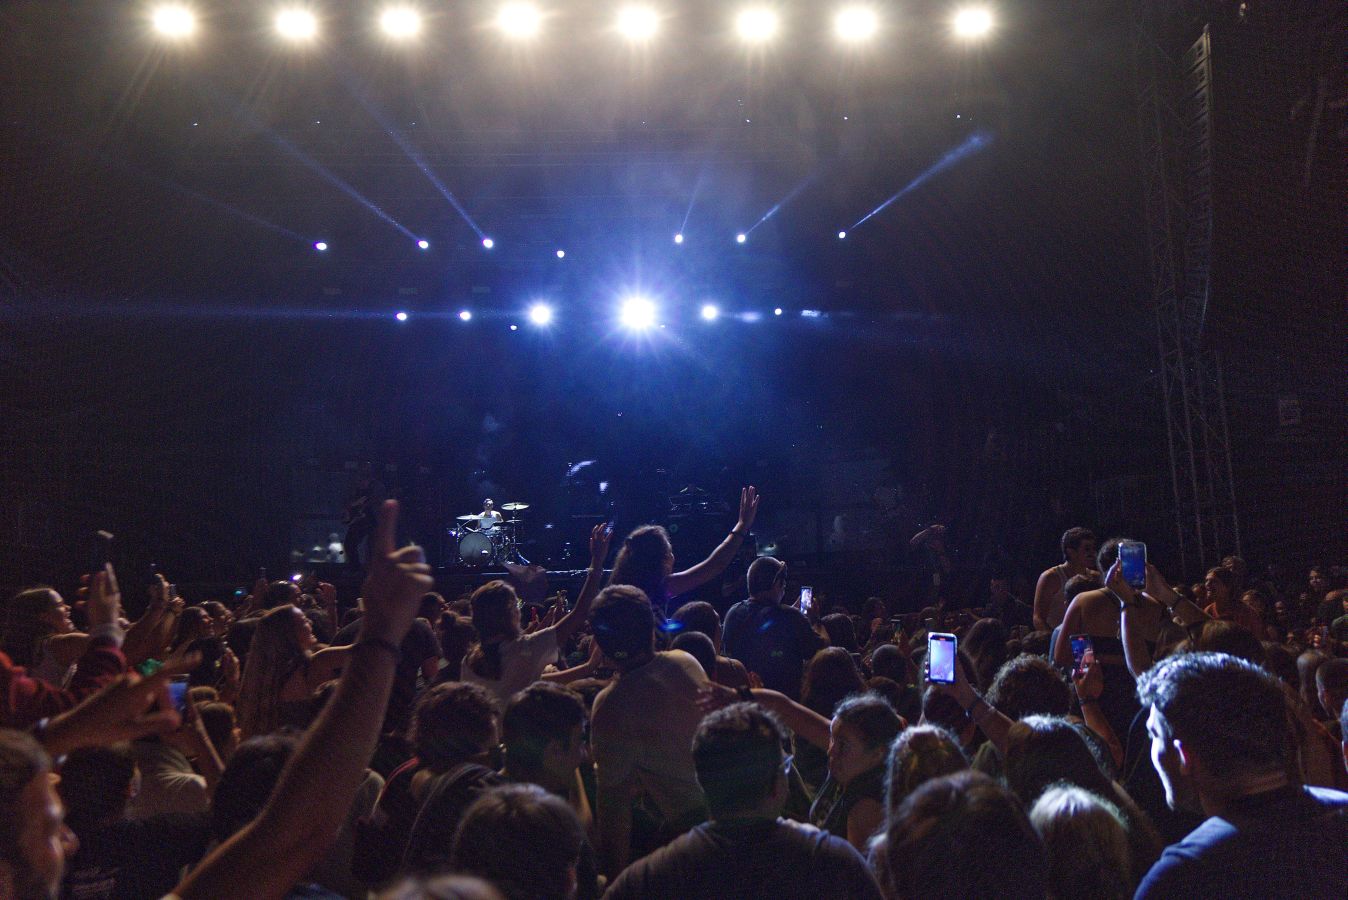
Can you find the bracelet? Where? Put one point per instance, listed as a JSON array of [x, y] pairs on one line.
[[1093, 701], [382, 644], [740, 534]]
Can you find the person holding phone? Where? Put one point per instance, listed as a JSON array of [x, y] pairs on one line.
[[1098, 616], [771, 640]]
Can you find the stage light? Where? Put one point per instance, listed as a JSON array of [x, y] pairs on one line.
[[710, 312], [401, 317], [678, 238], [320, 246], [811, 314], [488, 243], [296, 24], [638, 313], [540, 314], [514, 328], [756, 25], [638, 23], [519, 20], [424, 244], [842, 235], [972, 23], [855, 24], [777, 311], [400, 22], [465, 315], [561, 254], [741, 238], [174, 21]]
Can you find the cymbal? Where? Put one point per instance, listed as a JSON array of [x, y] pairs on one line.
[[515, 507], [472, 518], [513, 521]]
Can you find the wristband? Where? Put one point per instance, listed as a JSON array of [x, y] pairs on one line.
[[382, 644], [739, 534]]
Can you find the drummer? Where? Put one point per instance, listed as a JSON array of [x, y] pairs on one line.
[[489, 518]]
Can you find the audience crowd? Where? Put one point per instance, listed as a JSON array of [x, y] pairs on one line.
[[1102, 740]]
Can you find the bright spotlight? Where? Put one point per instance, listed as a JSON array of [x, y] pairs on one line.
[[540, 314], [296, 24], [465, 315], [710, 312], [174, 21], [638, 313], [678, 238], [638, 23], [320, 246], [757, 25], [741, 238], [401, 317], [842, 235], [972, 23], [561, 254], [424, 244], [488, 243], [519, 20], [777, 311], [854, 24], [400, 22]]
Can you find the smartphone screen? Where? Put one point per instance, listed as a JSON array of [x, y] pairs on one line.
[[941, 658], [1080, 644], [178, 692], [806, 599], [1133, 562]]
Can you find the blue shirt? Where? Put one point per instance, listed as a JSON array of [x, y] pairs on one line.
[[1290, 842]]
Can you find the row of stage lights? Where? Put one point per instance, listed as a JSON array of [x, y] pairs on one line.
[[489, 243], [755, 25], [636, 313]]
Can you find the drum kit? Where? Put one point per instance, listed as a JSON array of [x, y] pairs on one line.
[[485, 540]]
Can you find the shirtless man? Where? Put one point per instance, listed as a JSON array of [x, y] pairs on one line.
[[1078, 550]]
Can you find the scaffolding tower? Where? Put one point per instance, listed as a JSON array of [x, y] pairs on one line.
[[1175, 124]]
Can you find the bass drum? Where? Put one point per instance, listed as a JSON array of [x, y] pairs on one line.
[[475, 549]]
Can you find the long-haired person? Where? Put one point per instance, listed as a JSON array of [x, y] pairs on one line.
[[505, 660], [284, 667], [37, 633], [646, 558]]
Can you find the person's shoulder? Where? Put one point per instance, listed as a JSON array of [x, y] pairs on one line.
[[685, 662]]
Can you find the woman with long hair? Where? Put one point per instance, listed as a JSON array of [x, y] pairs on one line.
[[830, 677], [646, 558], [506, 660], [283, 669], [39, 635]]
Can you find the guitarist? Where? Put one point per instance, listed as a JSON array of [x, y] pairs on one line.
[[365, 497]]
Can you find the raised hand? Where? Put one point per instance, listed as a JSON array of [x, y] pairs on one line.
[[127, 708], [712, 696], [1116, 583], [105, 598], [748, 508], [1089, 679], [396, 581], [600, 536], [1158, 588]]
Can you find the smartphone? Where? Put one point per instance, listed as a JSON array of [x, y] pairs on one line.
[[806, 599], [178, 692], [1133, 562], [1080, 644], [941, 652]]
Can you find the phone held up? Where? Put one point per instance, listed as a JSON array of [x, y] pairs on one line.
[[941, 655], [1080, 644], [178, 692], [1133, 563], [806, 599]]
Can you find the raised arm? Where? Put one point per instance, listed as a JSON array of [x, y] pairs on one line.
[[313, 798], [572, 621], [1089, 682], [986, 716], [803, 721], [1071, 624], [709, 568]]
